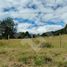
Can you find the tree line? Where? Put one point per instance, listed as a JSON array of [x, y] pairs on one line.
[[8, 30], [56, 33]]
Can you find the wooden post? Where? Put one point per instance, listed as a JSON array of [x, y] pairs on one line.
[[60, 40], [8, 37]]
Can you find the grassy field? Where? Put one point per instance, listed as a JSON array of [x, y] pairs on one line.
[[34, 52]]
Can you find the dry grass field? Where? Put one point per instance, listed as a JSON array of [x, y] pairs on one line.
[[34, 52]]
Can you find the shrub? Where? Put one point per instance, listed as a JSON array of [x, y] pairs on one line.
[[46, 45], [48, 59], [38, 61]]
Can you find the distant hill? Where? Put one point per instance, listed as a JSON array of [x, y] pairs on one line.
[[61, 31]]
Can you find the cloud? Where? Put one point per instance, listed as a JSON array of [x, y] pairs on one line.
[[35, 16], [46, 28], [23, 27]]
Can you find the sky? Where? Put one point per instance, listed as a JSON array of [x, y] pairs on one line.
[[35, 16]]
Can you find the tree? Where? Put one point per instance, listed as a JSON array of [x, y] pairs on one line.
[[27, 35], [24, 35], [21, 35], [7, 28]]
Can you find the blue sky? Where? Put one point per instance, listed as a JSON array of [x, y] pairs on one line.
[[35, 16]]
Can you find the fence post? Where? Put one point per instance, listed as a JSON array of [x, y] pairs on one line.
[[60, 40]]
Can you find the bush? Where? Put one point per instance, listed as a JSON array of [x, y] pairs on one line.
[[46, 45], [38, 61], [48, 60]]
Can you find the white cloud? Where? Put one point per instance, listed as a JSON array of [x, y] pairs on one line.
[[49, 10], [42, 29], [22, 27]]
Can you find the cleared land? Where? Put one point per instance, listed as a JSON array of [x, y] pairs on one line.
[[34, 52]]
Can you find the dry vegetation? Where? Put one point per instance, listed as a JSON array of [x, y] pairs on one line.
[[36, 52]]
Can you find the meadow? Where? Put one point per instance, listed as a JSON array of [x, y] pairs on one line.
[[34, 52]]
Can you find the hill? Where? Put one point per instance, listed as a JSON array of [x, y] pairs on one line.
[[61, 31]]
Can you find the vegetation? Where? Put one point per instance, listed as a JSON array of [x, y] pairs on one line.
[[33, 51], [55, 33], [20, 53], [8, 30]]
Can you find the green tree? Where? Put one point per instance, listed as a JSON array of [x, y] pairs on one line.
[[7, 28]]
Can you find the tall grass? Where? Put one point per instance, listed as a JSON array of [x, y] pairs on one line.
[[19, 53]]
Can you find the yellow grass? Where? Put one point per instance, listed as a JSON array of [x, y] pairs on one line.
[[29, 53]]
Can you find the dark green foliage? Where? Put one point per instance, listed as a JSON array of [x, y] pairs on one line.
[[7, 28], [24, 35]]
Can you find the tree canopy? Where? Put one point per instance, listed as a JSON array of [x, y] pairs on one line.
[[7, 28]]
